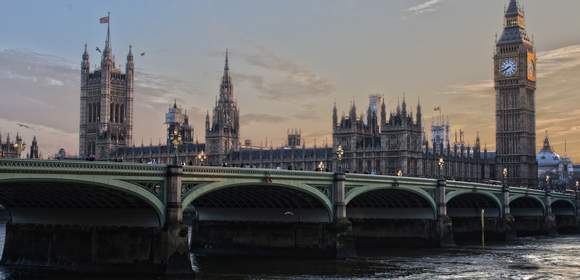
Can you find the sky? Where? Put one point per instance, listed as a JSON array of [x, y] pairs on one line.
[[290, 62]]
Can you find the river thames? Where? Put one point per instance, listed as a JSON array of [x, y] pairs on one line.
[[526, 258]]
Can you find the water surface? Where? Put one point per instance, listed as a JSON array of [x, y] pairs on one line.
[[527, 258]]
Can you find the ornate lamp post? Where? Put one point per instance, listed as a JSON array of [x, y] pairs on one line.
[[441, 164], [321, 166], [547, 187], [400, 173], [504, 172], [18, 148], [175, 140], [339, 157], [201, 157], [505, 187]]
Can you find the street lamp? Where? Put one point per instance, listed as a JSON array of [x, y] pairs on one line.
[[400, 173], [201, 157], [175, 140], [441, 164], [504, 172], [339, 156], [547, 182], [321, 166]]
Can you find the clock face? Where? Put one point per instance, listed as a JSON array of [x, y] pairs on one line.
[[508, 67]]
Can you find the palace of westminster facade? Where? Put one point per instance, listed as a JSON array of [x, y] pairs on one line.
[[383, 142]]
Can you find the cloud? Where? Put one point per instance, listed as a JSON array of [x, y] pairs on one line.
[[50, 139], [289, 80], [556, 99], [44, 91], [552, 61], [249, 119], [424, 7]]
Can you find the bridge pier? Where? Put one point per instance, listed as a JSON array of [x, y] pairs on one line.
[[82, 248], [174, 240], [444, 225], [549, 226], [507, 226], [342, 226], [577, 213]]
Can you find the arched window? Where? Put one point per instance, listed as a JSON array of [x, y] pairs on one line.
[[122, 116]]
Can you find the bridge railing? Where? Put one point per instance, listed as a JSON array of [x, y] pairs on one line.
[[253, 171], [78, 165]]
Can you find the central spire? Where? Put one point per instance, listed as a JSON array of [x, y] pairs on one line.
[[513, 8], [108, 41], [226, 88], [227, 64]]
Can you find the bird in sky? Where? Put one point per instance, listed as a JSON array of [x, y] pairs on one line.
[[23, 125]]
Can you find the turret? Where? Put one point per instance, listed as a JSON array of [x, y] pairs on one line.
[[85, 67], [85, 64], [352, 114], [34, 149], [334, 116], [383, 113], [207, 128], [419, 114], [130, 66], [404, 107]]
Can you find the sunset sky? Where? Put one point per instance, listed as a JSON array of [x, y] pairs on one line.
[[290, 61]]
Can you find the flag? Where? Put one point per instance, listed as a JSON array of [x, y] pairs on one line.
[[437, 108], [104, 20]]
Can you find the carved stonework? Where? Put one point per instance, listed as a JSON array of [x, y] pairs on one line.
[[325, 189], [152, 187], [187, 187], [349, 189]]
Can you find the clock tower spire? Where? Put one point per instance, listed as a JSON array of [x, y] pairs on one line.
[[515, 85]]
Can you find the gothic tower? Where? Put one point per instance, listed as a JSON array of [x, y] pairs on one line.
[[222, 134], [515, 85], [34, 149], [106, 113]]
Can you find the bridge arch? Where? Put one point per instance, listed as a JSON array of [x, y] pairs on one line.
[[563, 207], [411, 203], [524, 205], [474, 200], [98, 191], [296, 202]]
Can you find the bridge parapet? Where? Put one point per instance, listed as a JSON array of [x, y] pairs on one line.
[[64, 166]]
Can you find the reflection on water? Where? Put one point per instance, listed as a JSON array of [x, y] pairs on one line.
[[528, 258]]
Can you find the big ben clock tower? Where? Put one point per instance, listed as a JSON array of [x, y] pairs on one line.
[[515, 86]]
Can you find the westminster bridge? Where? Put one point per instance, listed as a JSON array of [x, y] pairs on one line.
[[101, 215]]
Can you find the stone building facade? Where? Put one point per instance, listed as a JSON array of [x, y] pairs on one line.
[[515, 85], [394, 143], [106, 111], [222, 133], [12, 148], [379, 143]]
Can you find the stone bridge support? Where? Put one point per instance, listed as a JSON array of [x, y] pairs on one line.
[[342, 227], [507, 220], [174, 241], [577, 202], [444, 224], [549, 227]]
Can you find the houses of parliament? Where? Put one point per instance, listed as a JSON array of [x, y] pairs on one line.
[[376, 142]]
